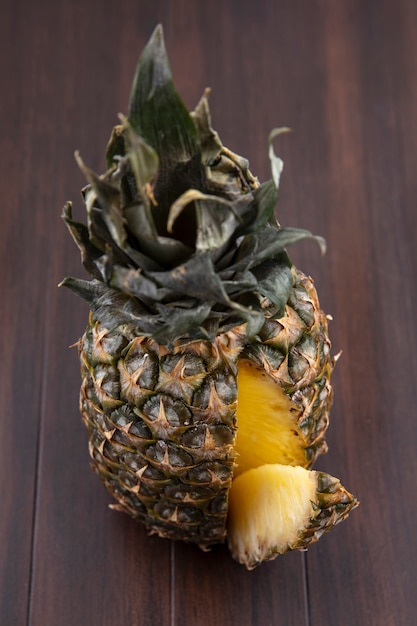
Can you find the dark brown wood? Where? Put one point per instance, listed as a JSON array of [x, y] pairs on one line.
[[342, 75]]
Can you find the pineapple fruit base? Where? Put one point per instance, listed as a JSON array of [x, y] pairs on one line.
[[206, 362]]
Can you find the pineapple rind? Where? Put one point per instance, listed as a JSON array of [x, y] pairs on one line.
[[162, 429]]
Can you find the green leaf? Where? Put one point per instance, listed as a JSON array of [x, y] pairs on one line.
[[210, 141], [241, 282], [277, 164], [143, 160], [268, 243], [139, 221], [160, 251], [88, 290], [274, 281], [112, 307], [249, 310], [156, 112], [196, 278], [136, 283], [109, 199], [216, 219], [266, 197], [79, 232], [178, 321], [115, 145]]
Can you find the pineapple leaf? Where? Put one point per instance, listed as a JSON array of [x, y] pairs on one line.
[[196, 278], [139, 221], [110, 306], [266, 197], [144, 161], [253, 317], [216, 220], [79, 232], [88, 290], [179, 321], [268, 243], [109, 199], [275, 281], [115, 145], [135, 283], [156, 112], [277, 164], [241, 283], [166, 250], [101, 236], [210, 141]]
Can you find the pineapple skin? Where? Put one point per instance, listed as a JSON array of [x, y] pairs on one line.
[[161, 428], [162, 421]]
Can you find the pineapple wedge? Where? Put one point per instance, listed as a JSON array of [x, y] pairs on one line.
[[276, 508]]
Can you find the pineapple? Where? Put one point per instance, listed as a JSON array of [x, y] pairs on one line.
[[206, 361]]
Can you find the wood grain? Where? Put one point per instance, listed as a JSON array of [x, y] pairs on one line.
[[342, 75]]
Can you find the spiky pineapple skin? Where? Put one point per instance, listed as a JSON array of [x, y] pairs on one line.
[[295, 350], [162, 421]]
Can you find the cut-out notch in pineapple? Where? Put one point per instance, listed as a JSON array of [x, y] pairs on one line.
[[276, 504]]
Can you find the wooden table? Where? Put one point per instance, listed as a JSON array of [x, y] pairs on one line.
[[343, 75]]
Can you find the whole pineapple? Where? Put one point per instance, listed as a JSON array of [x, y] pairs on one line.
[[206, 361]]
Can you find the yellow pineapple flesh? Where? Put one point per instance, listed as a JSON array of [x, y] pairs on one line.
[[268, 431]]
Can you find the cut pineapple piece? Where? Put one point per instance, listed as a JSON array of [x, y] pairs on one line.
[[276, 508], [268, 431]]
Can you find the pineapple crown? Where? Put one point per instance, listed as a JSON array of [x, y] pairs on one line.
[[181, 239]]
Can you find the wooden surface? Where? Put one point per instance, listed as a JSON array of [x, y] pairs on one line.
[[342, 74]]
